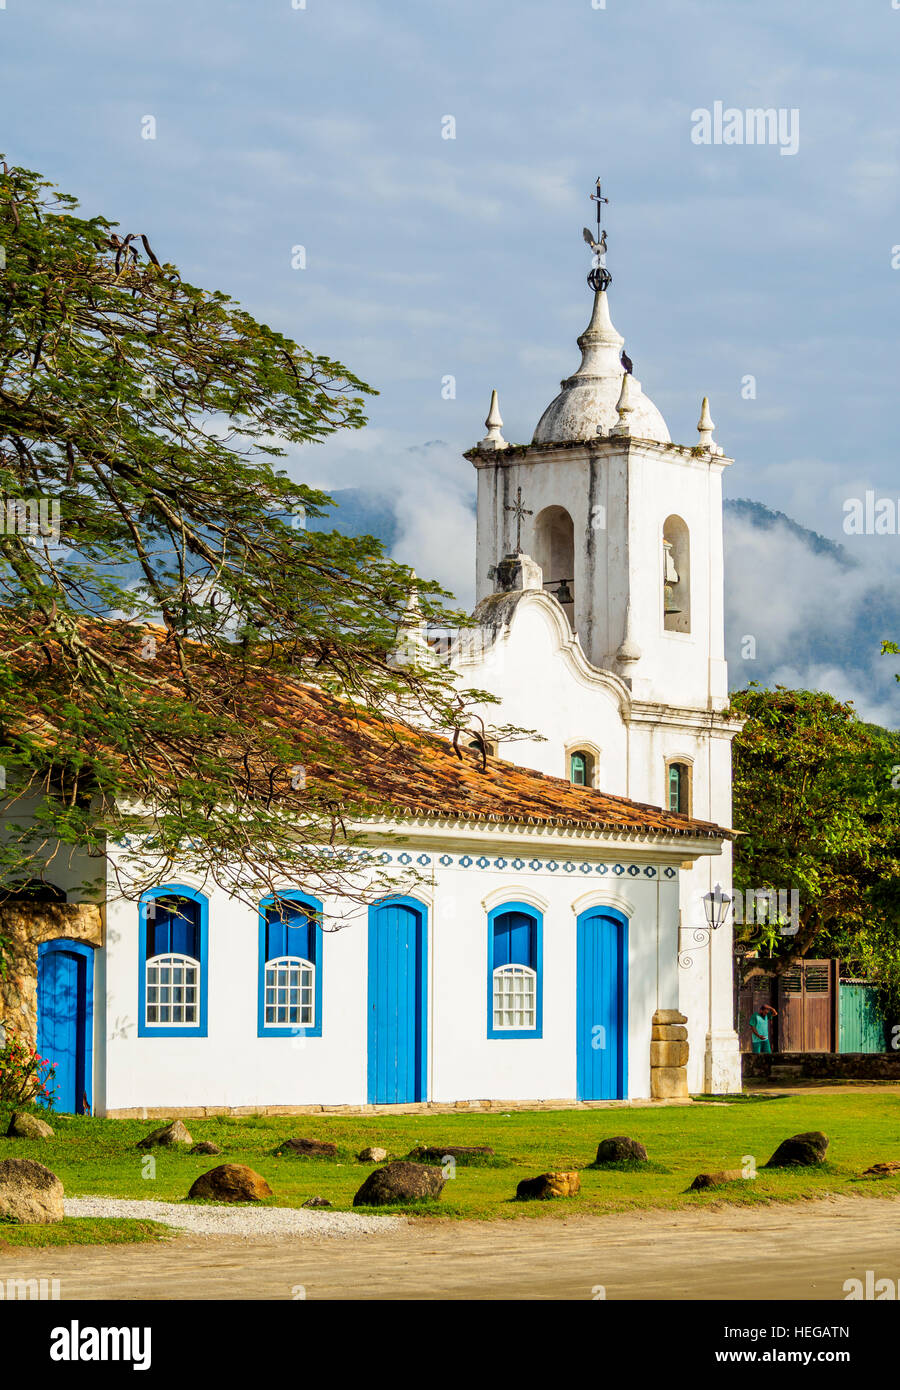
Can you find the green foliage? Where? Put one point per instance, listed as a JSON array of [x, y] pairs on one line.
[[151, 415], [816, 805]]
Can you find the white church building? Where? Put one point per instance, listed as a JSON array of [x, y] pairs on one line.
[[546, 938]]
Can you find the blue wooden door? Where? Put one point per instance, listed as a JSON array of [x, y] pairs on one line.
[[65, 1020], [397, 1003], [602, 1005]]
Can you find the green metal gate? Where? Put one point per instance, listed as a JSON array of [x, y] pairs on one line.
[[862, 1023]]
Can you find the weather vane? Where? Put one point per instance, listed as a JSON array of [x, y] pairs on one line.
[[599, 277]]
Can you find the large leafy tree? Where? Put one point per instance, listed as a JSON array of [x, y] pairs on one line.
[[148, 416], [815, 800]]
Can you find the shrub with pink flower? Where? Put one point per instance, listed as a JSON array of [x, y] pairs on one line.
[[25, 1076]]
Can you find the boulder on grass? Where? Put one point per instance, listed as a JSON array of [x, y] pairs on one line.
[[206, 1146], [725, 1175], [231, 1182], [397, 1184], [317, 1202], [24, 1125], [548, 1185], [165, 1137], [309, 1148], [620, 1149], [462, 1153], [891, 1169], [29, 1192], [373, 1155], [800, 1151]]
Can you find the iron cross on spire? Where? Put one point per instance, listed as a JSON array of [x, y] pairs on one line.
[[599, 200], [520, 512], [599, 277]]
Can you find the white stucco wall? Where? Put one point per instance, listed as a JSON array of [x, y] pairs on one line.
[[619, 494], [232, 1067], [543, 681]]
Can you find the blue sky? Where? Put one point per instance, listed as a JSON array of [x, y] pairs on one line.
[[427, 257]]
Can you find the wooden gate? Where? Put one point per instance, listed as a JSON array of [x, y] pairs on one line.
[[806, 998], [751, 999], [862, 1022], [808, 1007]]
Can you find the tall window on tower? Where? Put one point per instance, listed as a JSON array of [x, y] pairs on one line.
[[679, 788], [676, 575], [581, 767]]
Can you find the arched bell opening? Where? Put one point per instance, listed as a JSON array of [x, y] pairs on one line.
[[554, 551], [676, 575]]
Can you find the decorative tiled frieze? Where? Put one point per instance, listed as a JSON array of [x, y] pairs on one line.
[[406, 859], [499, 863]]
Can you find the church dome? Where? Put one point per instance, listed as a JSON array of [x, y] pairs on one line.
[[586, 405]]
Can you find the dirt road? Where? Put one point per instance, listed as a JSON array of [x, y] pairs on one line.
[[810, 1248]]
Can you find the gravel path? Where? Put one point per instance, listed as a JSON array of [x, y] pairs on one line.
[[248, 1223]]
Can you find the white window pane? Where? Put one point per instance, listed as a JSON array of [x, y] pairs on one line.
[[289, 984], [514, 997], [173, 991]]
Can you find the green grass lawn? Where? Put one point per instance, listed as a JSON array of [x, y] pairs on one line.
[[98, 1157], [79, 1231]]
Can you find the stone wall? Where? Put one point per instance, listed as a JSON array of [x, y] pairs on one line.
[[23, 926], [669, 1051], [842, 1066]]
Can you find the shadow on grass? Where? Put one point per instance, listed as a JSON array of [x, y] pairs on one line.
[[427, 1207], [745, 1098], [220, 1202], [461, 1160], [627, 1165]]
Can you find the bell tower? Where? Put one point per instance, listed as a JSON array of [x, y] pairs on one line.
[[625, 525]]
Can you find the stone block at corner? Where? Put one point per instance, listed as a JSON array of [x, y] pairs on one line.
[[668, 1032], [669, 1016], [669, 1054], [668, 1083]]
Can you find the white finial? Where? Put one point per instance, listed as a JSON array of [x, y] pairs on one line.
[[629, 652], [624, 406], [411, 648], [705, 427], [494, 439], [413, 607]]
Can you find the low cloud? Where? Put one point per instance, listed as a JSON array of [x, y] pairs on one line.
[[817, 615]]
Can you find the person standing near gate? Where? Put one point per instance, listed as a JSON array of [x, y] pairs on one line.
[[759, 1028]]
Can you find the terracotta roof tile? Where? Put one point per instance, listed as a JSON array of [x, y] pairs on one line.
[[409, 773]]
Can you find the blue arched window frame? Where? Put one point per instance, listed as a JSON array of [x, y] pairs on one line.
[[538, 966], [150, 1030], [313, 1030]]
